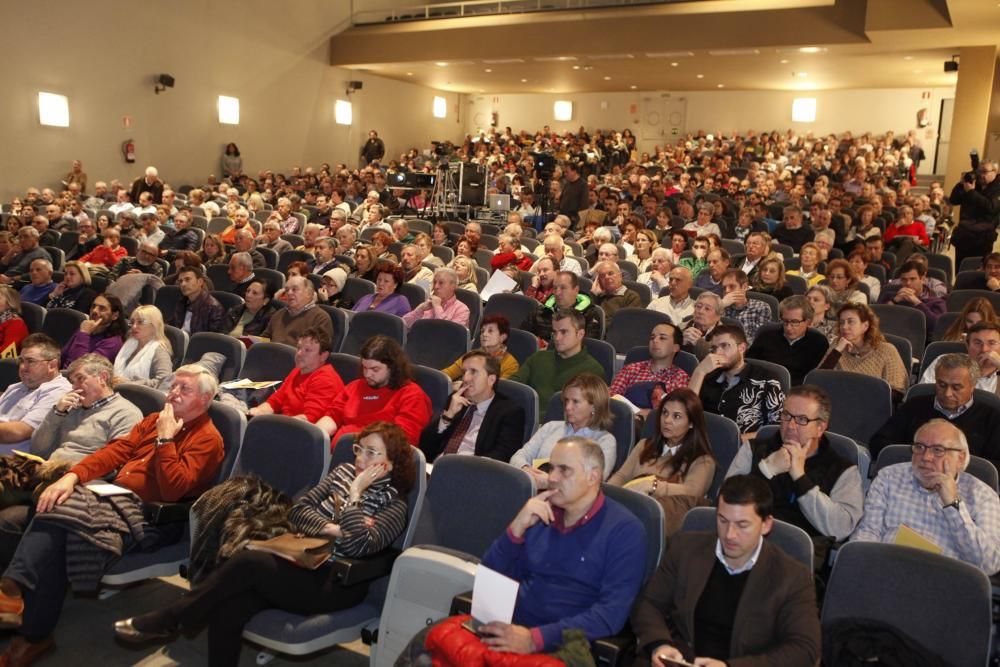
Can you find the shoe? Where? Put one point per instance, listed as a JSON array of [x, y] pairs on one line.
[[11, 611], [21, 653], [127, 632]]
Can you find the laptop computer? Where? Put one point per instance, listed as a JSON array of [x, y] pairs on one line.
[[499, 202]]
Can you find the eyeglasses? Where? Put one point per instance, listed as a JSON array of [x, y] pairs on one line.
[[937, 451], [31, 362], [792, 323], [137, 322], [801, 420], [366, 452]]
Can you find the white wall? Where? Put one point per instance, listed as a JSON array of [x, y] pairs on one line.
[[272, 56], [875, 110]]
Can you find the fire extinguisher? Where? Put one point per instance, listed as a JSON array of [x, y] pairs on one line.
[[128, 150]]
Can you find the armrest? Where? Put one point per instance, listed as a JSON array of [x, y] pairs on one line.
[[161, 513], [461, 604], [358, 570], [615, 650]]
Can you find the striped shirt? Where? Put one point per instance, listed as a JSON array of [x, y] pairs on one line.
[[367, 526]]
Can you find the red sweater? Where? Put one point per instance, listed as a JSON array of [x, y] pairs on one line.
[[359, 405], [917, 229], [102, 254], [12, 332], [308, 394], [503, 259], [173, 471]]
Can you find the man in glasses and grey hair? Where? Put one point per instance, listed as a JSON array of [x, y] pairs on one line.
[[936, 498], [814, 486]]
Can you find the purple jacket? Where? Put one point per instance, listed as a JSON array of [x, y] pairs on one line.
[[83, 343], [395, 304]]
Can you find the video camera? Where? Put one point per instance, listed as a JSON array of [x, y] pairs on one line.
[[970, 176], [545, 164]]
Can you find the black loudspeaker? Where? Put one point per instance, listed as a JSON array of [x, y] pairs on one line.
[[355, 85], [166, 81], [471, 184]]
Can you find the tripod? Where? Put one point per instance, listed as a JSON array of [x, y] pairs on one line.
[[445, 189]]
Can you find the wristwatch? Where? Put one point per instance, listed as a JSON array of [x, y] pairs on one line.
[[955, 503], [163, 441]]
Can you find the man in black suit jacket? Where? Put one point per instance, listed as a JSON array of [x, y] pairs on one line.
[[478, 420], [729, 595]]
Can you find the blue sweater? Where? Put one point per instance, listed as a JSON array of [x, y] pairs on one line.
[[586, 577]]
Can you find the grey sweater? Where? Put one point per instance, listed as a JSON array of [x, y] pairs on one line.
[[82, 431]]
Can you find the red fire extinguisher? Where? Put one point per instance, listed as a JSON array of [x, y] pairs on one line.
[[128, 150]]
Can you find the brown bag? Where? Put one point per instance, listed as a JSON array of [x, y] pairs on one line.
[[307, 552]]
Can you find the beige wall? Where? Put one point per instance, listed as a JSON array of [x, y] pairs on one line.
[[875, 110], [274, 58]]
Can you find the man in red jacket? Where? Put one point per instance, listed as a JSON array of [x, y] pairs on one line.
[[168, 456], [384, 392], [311, 386]]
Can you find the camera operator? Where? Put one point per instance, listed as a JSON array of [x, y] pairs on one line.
[[978, 194], [574, 193]]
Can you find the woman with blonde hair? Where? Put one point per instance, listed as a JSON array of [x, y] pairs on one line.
[[975, 311], [13, 330], [809, 264], [770, 278], [586, 413], [74, 291], [145, 358], [465, 268]]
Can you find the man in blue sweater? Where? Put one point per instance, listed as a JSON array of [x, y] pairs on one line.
[[579, 557]]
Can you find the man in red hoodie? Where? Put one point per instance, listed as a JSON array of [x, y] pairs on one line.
[[384, 392]]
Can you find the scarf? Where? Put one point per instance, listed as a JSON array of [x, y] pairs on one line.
[[135, 368]]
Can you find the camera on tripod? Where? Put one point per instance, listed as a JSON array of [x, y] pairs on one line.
[[545, 164]]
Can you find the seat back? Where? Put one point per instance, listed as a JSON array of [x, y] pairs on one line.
[[436, 385], [904, 348], [939, 601], [219, 275], [906, 322], [290, 454], [33, 316], [517, 308], [62, 323], [457, 515], [650, 515], [227, 299], [268, 362], [414, 293], [630, 327], [370, 323], [769, 299], [355, 288], [980, 468], [274, 278], [970, 278], [10, 373], [960, 297], [147, 399], [231, 348], [942, 325], [777, 370], [270, 257], [522, 344], [794, 541], [289, 256], [436, 343], [863, 402], [623, 427], [797, 284], [232, 425], [166, 300], [474, 304], [348, 366], [604, 354], [339, 321], [527, 398], [645, 294], [178, 343], [937, 349]]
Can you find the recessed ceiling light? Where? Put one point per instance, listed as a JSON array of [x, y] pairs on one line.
[[607, 78], [441, 64], [701, 76], [576, 67], [801, 75], [907, 57], [720, 85], [811, 49], [633, 87], [524, 81], [674, 64], [487, 70], [784, 61], [409, 74]]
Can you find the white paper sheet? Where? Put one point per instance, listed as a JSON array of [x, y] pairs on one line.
[[493, 596], [498, 283], [107, 489]]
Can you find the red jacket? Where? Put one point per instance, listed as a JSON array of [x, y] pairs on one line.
[[503, 259], [359, 405], [102, 254], [451, 645], [915, 228], [308, 394], [180, 469]]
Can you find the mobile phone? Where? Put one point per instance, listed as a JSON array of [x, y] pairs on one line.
[[475, 627], [683, 663]]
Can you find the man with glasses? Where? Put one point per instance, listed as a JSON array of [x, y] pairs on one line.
[[143, 262], [979, 199], [25, 404], [953, 400], [934, 497], [814, 486], [795, 346]]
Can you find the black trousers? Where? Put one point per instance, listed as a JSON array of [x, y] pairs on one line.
[[39, 566], [250, 582]]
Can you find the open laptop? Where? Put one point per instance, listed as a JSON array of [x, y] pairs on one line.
[[499, 202]]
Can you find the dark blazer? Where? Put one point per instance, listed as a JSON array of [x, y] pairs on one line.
[[500, 435], [776, 622]]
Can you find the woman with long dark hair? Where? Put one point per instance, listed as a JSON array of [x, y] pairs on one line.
[[675, 466]]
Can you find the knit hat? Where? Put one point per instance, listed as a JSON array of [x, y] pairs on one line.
[[338, 276]]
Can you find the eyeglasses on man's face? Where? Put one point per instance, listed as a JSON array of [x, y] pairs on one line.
[[937, 451], [801, 420]]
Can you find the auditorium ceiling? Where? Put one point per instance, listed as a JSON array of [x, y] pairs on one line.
[[702, 45]]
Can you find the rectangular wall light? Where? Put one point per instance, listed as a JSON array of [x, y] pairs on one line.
[[440, 107], [562, 110], [229, 110], [804, 110], [53, 110], [342, 112]]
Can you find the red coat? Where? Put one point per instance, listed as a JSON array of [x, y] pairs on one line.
[[102, 254], [359, 405], [451, 645], [915, 228]]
